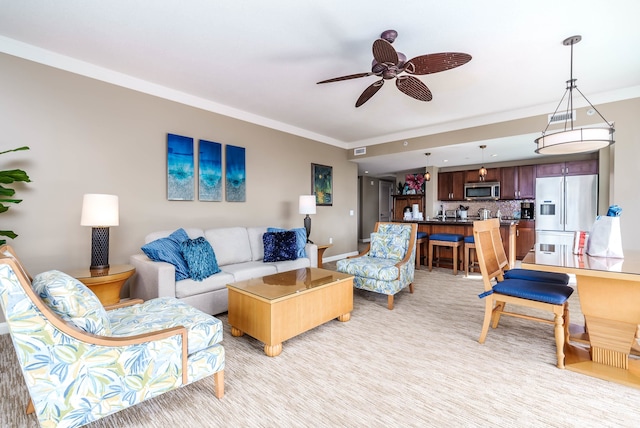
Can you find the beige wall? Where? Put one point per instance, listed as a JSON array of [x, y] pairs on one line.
[[92, 137]]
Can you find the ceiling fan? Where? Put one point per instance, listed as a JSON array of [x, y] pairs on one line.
[[388, 64]]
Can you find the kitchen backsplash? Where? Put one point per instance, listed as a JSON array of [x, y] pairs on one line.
[[509, 208]]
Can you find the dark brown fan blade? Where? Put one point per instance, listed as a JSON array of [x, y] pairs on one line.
[[384, 52], [351, 76], [369, 92], [414, 87], [435, 63]]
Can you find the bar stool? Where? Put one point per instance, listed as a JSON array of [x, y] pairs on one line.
[[469, 244], [452, 240], [421, 242]]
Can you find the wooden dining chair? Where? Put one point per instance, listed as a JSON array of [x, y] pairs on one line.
[[538, 294]]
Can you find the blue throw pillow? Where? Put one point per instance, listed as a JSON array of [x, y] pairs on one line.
[[301, 238], [200, 258], [169, 250], [279, 246]]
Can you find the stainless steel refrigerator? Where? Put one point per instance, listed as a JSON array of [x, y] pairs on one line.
[[565, 205]]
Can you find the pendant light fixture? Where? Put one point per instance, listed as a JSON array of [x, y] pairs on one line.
[[572, 140], [482, 172], [427, 175]]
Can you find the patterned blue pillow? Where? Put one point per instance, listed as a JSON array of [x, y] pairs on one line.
[[301, 238], [169, 250], [388, 246], [72, 301], [279, 246], [200, 258]]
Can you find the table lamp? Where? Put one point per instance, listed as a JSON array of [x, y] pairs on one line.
[[100, 212], [307, 206]]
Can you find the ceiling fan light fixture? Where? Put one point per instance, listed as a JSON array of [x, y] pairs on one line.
[[389, 64], [570, 140]]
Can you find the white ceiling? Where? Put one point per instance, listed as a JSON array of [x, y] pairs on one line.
[[260, 61]]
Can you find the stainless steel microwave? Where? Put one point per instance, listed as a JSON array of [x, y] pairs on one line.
[[482, 191]]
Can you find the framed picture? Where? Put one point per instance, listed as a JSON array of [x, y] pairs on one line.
[[209, 171], [322, 184], [235, 174], [180, 168]]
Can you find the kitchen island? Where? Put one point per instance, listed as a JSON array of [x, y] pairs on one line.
[[465, 228]]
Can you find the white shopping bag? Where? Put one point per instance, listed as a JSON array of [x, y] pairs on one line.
[[605, 239]]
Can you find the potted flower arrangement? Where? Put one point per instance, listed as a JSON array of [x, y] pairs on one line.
[[6, 193]]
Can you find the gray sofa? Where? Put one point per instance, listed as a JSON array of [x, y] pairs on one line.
[[239, 252]]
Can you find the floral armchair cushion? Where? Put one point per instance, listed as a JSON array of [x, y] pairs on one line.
[[72, 301]]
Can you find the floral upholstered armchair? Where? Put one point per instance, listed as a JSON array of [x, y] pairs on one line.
[[388, 265], [81, 362]]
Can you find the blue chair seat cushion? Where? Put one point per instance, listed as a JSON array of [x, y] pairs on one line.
[[421, 235], [536, 275], [545, 292], [469, 239], [449, 237], [370, 267]]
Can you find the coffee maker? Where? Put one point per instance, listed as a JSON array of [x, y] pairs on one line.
[[527, 210]]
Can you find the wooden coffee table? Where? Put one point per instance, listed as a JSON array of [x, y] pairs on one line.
[[277, 307]]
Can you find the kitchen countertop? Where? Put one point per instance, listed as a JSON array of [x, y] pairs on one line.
[[504, 221]]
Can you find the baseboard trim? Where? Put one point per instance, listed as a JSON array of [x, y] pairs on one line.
[[4, 328], [339, 257]]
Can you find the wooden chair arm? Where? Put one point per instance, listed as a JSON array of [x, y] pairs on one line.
[[123, 304]]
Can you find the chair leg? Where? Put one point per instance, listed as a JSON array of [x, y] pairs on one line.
[[390, 302], [566, 322], [466, 260], [411, 288], [218, 388], [559, 334], [455, 251], [497, 311], [30, 409], [430, 256], [488, 310]]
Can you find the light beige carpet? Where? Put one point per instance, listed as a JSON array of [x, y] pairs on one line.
[[418, 365]]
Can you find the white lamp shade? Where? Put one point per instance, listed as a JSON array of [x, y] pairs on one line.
[[307, 204], [99, 210], [575, 141]]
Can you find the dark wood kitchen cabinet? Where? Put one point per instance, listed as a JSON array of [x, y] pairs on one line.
[[581, 167], [525, 237], [472, 176], [451, 186], [518, 182], [400, 202]]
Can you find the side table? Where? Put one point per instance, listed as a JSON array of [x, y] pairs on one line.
[[321, 250], [105, 283]]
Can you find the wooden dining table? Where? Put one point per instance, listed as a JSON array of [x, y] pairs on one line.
[[609, 293]]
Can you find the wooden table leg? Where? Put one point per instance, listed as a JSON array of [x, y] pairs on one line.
[[612, 316]]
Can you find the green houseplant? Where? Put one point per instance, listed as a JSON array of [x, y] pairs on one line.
[[6, 193]]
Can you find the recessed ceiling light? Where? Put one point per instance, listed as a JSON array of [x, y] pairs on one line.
[[446, 160], [366, 172]]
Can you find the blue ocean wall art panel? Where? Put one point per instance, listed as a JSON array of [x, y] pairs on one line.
[[209, 171], [236, 176], [180, 168]]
